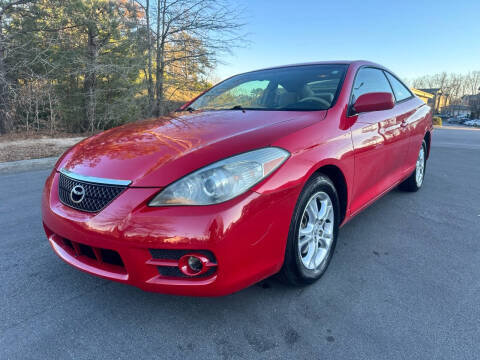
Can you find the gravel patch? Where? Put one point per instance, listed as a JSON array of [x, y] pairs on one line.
[[22, 149]]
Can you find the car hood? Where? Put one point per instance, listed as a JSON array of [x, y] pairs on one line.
[[156, 152]]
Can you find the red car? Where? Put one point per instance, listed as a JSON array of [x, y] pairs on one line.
[[252, 178]]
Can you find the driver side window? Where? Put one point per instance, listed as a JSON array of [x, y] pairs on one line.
[[369, 80]]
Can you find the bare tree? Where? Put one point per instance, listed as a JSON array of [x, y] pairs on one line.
[[187, 32], [472, 82], [147, 10]]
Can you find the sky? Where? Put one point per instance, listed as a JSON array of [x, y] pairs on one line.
[[411, 38]]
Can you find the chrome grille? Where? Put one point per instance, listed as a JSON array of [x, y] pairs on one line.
[[96, 195]]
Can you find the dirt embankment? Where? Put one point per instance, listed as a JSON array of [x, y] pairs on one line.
[[13, 148]]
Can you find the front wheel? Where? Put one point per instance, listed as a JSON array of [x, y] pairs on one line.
[[415, 181], [313, 232]]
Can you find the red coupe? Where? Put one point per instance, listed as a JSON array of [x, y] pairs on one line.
[[252, 178]]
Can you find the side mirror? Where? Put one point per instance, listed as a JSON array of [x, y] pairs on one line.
[[375, 101]]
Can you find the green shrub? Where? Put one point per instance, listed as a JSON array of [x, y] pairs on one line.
[[437, 120]]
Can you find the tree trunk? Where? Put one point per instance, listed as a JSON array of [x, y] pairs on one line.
[[4, 98], [160, 88], [52, 110], [149, 64], [160, 58], [91, 80]]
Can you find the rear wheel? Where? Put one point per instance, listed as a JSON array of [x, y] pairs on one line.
[[415, 181], [313, 232]]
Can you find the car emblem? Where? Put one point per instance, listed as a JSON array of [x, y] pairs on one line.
[[77, 194]]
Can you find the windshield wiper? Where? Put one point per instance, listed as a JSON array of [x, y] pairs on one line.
[[189, 109], [237, 107]]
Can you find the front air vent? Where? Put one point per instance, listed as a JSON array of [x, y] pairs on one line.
[[86, 196]]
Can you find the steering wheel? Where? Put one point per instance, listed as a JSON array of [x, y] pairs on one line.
[[317, 99]]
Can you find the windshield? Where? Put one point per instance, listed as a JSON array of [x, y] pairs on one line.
[[296, 88]]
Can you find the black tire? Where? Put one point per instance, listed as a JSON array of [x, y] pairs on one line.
[[411, 184], [293, 270]]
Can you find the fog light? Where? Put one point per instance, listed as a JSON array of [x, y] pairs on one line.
[[195, 264]]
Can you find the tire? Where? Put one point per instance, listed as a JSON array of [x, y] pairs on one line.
[[415, 181], [306, 264]]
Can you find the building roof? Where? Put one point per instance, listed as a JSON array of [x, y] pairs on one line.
[[422, 93]]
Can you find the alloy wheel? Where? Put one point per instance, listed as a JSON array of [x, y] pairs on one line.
[[420, 167], [315, 235]]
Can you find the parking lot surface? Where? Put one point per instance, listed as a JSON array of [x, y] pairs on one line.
[[404, 284]]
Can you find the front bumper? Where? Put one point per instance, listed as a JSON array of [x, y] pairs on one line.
[[245, 238]]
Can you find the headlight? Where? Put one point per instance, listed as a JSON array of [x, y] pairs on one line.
[[223, 180]]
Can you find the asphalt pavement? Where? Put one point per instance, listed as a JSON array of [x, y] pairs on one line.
[[404, 284]]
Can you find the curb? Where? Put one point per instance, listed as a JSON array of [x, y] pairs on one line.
[[27, 165], [453, 127]]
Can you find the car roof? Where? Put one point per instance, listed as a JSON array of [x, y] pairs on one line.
[[332, 62], [356, 63]]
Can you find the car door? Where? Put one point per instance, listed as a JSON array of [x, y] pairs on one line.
[[407, 116], [376, 142]]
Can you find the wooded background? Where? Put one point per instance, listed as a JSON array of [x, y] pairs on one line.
[[455, 86], [81, 66], [85, 65]]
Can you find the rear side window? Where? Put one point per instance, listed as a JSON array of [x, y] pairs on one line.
[[400, 91], [370, 80]]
